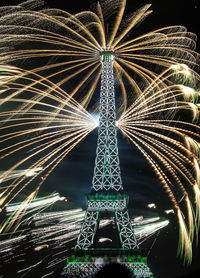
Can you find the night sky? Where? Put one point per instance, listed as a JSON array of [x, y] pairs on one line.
[[73, 177]]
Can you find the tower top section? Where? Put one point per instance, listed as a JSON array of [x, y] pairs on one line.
[[107, 56]]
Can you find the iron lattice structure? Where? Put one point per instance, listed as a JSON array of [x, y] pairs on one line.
[[107, 193], [107, 170]]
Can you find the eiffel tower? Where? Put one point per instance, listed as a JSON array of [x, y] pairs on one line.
[[106, 198]]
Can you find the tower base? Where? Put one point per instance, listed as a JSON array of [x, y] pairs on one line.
[[83, 263]]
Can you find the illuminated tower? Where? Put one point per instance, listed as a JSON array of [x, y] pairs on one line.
[[107, 196]]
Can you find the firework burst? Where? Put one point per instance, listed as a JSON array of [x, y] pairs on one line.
[[34, 125], [156, 75], [72, 45], [159, 123]]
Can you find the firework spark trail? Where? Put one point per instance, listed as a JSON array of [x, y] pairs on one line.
[[51, 217], [34, 80], [185, 242], [40, 163], [145, 231], [30, 206], [177, 152], [17, 215], [68, 62], [169, 186], [79, 39], [49, 127], [16, 212], [49, 226], [59, 235], [18, 173], [55, 230], [62, 227], [164, 93], [48, 88]]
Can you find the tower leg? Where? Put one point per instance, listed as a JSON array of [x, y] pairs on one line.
[[88, 230], [125, 229]]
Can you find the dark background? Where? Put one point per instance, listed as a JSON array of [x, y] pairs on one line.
[[72, 178]]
